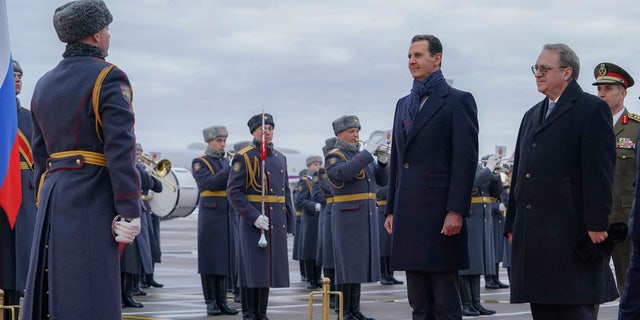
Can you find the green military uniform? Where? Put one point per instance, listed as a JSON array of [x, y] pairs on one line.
[[626, 130]]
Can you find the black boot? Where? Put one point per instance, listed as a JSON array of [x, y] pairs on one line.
[[497, 278], [303, 273], [490, 282], [152, 282], [355, 303], [309, 269], [209, 291], [390, 273], [475, 296], [464, 288], [248, 303], [346, 302], [384, 275], [263, 301], [236, 290], [333, 299], [136, 286], [221, 296], [127, 292]]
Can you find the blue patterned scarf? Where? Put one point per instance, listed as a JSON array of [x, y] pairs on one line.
[[418, 92]]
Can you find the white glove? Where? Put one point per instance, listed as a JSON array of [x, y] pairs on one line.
[[318, 207], [491, 163], [502, 207], [262, 222], [374, 143], [124, 231], [383, 157]]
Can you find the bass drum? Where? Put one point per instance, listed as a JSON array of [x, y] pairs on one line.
[[179, 196]]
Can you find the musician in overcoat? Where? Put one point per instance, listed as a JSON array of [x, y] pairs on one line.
[[354, 177], [211, 172], [308, 200]]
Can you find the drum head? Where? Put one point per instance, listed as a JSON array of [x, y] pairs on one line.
[[179, 196]]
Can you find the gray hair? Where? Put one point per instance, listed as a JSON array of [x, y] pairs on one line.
[[566, 56]]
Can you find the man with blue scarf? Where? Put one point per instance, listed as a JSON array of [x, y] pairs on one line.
[[432, 167]]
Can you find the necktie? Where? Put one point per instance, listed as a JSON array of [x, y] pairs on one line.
[[550, 108]]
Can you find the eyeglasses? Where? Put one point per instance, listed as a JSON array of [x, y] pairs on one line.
[[543, 70]]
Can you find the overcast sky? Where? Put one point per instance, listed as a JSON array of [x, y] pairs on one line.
[[197, 63]]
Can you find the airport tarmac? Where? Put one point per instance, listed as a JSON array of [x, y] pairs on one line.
[[181, 297]]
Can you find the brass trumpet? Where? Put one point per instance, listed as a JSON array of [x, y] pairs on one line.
[[160, 169]]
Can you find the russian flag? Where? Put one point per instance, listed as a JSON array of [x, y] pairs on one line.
[[10, 186]]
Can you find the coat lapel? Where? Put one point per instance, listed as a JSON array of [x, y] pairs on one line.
[[565, 103], [430, 107]]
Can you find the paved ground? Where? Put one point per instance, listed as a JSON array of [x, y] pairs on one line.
[[181, 297]]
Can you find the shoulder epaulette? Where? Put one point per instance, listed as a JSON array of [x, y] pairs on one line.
[[245, 149], [634, 116]]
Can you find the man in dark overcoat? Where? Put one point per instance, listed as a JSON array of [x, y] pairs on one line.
[[561, 193], [354, 177], [136, 260], [211, 172], [433, 161], [486, 188], [84, 168], [261, 267], [308, 200]]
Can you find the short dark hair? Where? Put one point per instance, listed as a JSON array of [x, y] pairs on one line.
[[435, 46]]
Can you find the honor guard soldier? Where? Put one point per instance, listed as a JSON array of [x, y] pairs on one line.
[[297, 237], [16, 242], [211, 172], [486, 189], [136, 258], [307, 200], [354, 177], [612, 82], [325, 240], [262, 265], [88, 188]]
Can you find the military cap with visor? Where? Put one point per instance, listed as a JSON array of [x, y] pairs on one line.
[[609, 73]]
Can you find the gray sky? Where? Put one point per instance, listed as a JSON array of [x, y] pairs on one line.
[[196, 63]]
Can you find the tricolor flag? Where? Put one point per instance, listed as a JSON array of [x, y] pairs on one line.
[[10, 187]]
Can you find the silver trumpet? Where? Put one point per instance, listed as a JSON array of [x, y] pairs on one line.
[[504, 165], [384, 150]]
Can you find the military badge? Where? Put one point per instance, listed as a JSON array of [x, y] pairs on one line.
[[602, 70], [332, 160], [624, 119], [625, 143], [196, 166], [315, 178], [236, 167], [299, 188], [126, 92]]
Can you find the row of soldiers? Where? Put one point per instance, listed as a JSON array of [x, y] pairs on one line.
[[243, 202]]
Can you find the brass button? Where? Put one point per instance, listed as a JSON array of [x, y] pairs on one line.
[[77, 161], [528, 207], [49, 164], [528, 175], [406, 166]]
